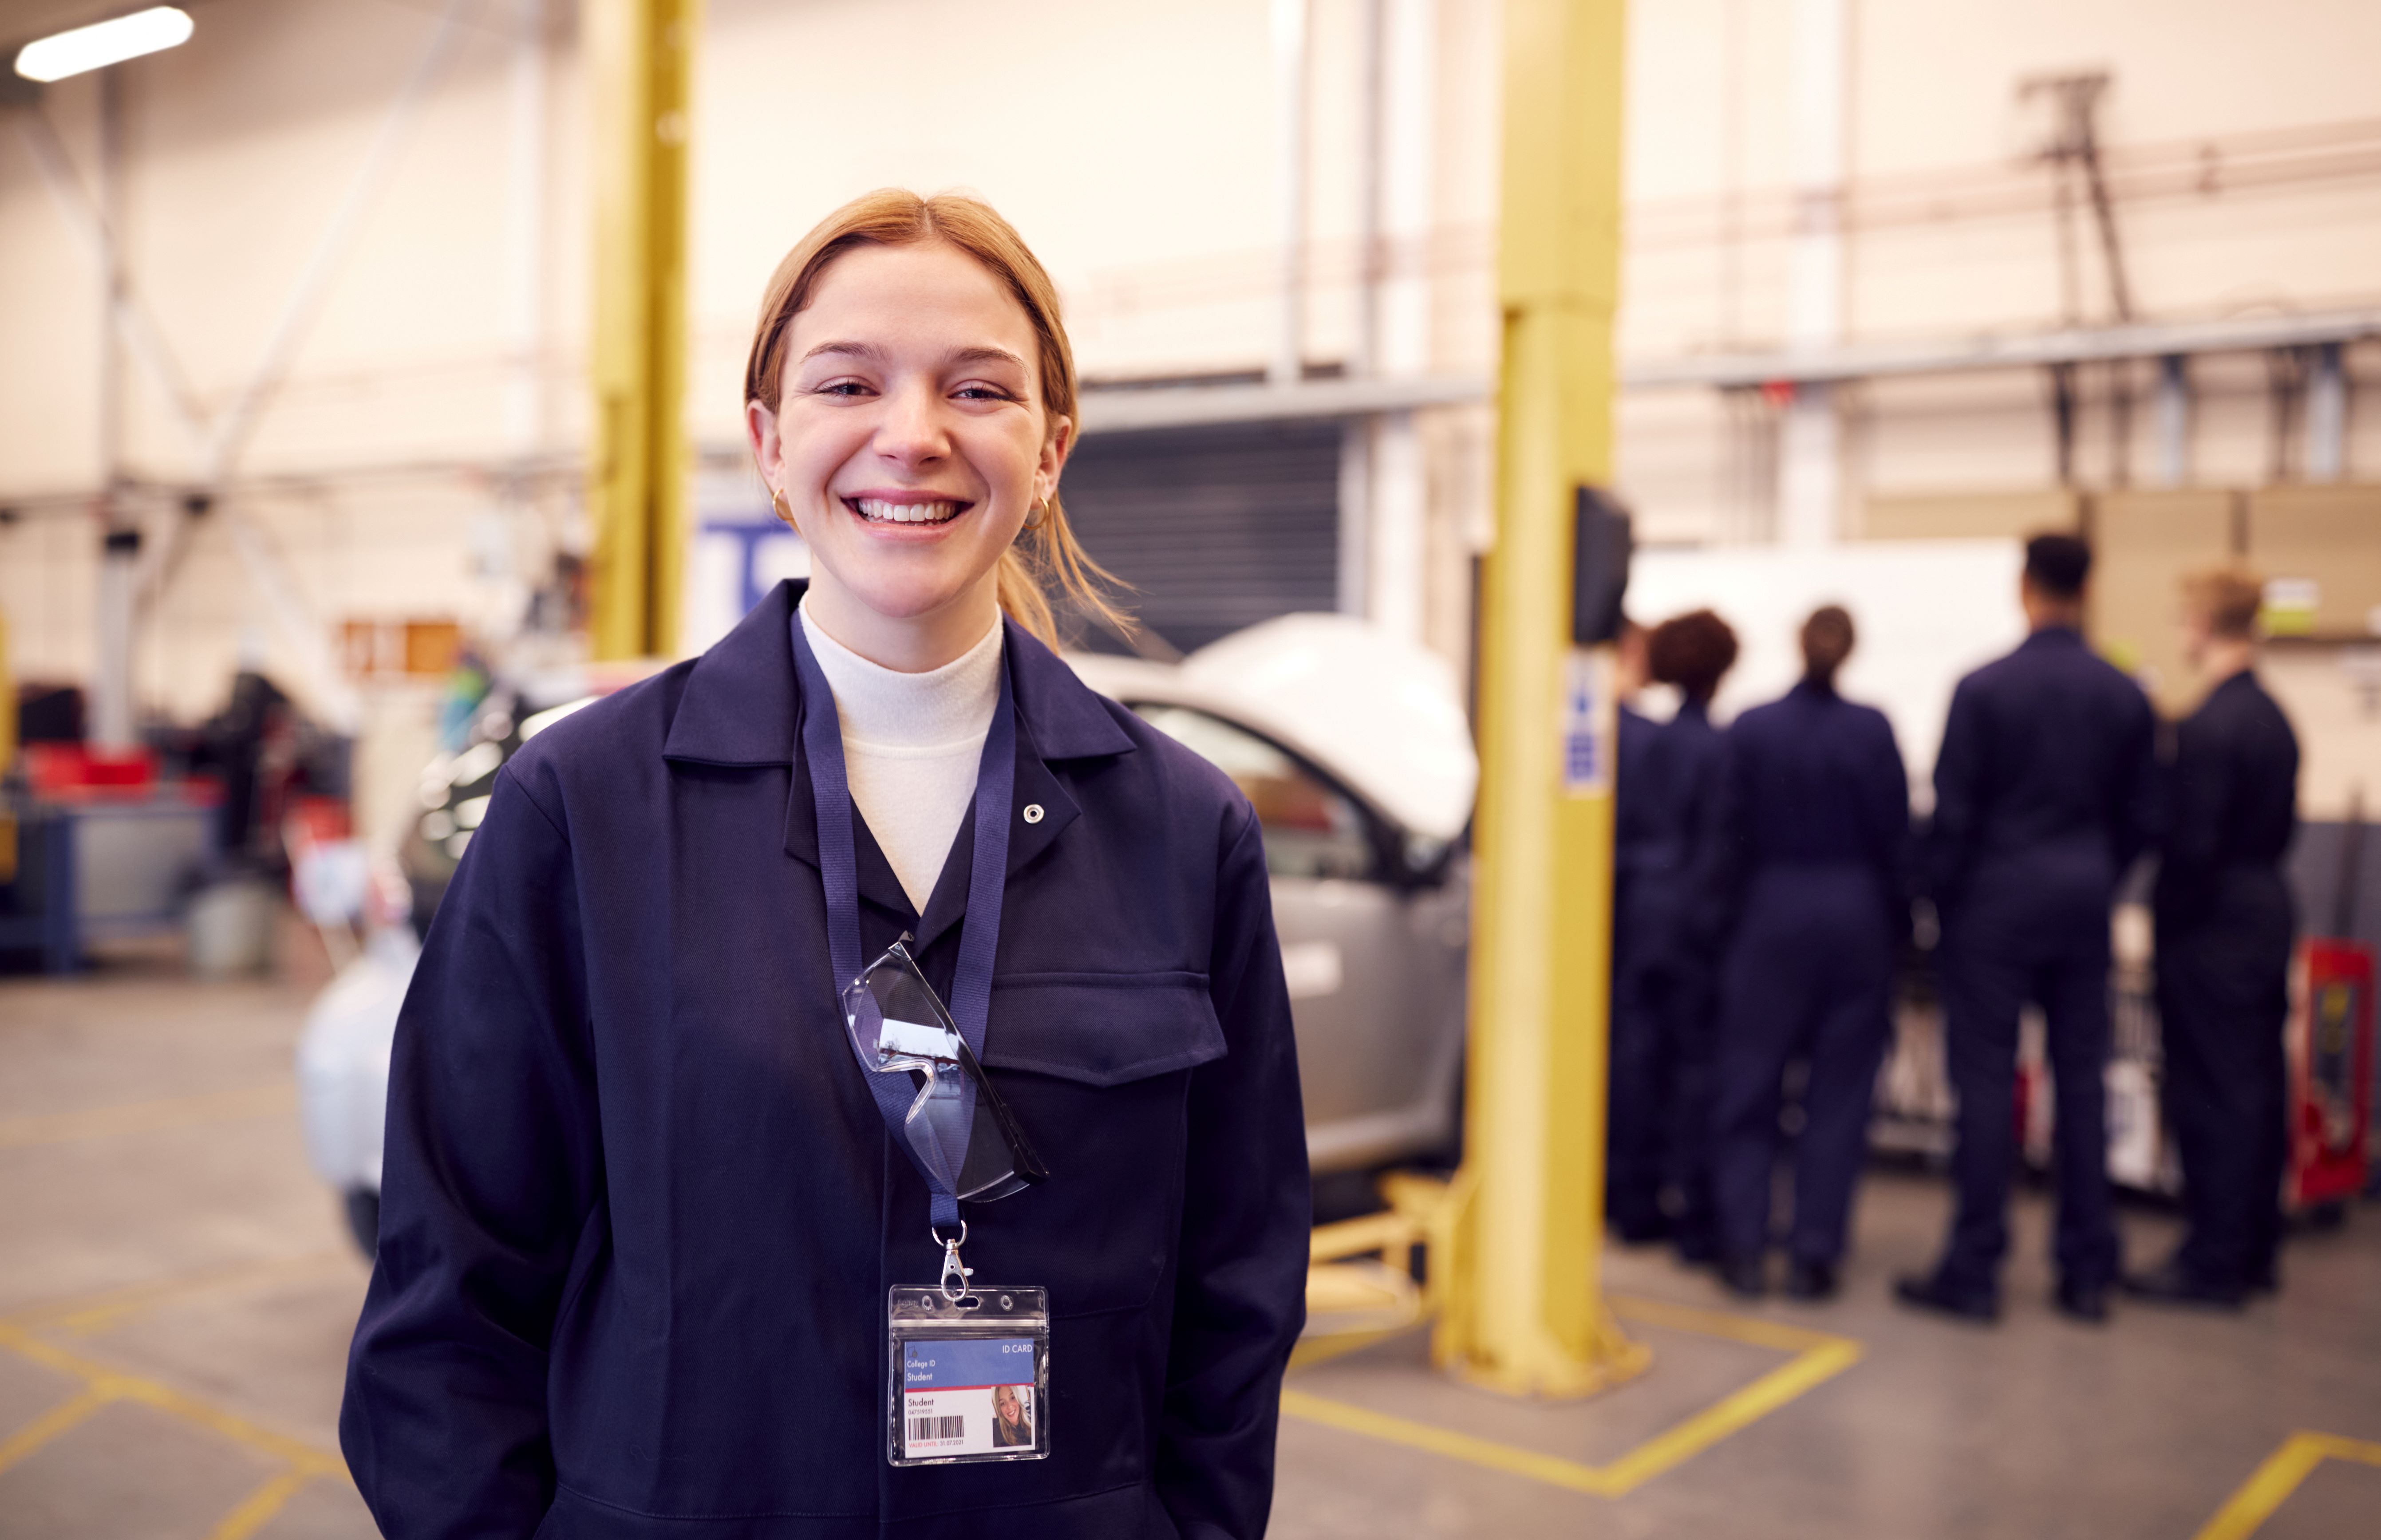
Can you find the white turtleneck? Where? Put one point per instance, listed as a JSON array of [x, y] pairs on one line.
[[911, 744]]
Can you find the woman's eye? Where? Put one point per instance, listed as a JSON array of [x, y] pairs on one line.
[[983, 393], [840, 387]]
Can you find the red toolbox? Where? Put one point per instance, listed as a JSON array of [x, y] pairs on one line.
[[2330, 1038]]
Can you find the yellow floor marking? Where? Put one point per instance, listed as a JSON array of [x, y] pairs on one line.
[[1552, 1469], [2274, 1481], [49, 1425], [146, 1117], [113, 1384], [1751, 1330], [88, 1313], [257, 1509], [1312, 1351], [1818, 1356]]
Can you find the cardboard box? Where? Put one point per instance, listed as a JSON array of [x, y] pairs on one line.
[[1969, 515], [2144, 544], [2319, 549]]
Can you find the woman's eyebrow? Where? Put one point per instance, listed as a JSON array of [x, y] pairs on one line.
[[867, 350], [875, 354], [985, 356]]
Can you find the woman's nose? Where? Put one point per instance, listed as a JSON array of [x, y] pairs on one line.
[[913, 431]]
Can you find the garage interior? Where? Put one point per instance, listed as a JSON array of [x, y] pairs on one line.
[[355, 427]]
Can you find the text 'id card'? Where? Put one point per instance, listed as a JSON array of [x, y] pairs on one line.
[[969, 1376]]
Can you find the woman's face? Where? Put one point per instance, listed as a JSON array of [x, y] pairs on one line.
[[1004, 1401], [910, 439]]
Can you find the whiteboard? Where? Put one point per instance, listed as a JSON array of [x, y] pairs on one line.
[[1927, 612]]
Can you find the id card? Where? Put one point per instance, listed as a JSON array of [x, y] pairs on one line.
[[971, 1377]]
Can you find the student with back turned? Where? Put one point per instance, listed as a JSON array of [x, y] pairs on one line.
[[1819, 810], [1683, 903], [2043, 798], [1633, 1164], [2224, 929]]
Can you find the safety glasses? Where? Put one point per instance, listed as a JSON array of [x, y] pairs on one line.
[[900, 1027]]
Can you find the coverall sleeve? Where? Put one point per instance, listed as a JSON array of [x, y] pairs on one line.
[[2198, 796], [1240, 1295], [1886, 804], [1711, 834], [2136, 818], [1958, 798], [1728, 864], [490, 1174]]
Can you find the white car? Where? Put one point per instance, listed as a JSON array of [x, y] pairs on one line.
[[1352, 746]]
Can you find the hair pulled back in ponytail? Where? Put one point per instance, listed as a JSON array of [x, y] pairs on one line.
[[1046, 556]]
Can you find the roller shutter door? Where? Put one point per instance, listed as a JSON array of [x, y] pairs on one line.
[[1215, 527]]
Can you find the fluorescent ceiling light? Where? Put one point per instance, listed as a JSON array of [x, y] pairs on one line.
[[102, 44]]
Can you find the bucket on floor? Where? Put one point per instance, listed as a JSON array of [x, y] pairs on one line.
[[231, 928]]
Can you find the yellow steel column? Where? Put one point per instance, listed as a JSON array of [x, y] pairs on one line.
[[640, 55], [1525, 1310]]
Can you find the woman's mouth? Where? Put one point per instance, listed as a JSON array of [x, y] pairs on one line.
[[877, 510]]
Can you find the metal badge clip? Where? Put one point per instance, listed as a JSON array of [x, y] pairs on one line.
[[955, 1275]]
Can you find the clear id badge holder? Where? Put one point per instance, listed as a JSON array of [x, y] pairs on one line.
[[970, 1364], [970, 1375]]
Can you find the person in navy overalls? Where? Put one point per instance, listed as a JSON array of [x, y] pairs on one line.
[[1683, 903], [641, 1209], [1637, 1123], [2045, 794], [1819, 809], [2225, 928]]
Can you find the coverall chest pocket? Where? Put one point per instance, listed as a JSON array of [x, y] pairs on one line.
[[1097, 1068]]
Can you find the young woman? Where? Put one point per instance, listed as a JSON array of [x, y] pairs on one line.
[[1678, 908], [1819, 819], [643, 1207], [1011, 1428]]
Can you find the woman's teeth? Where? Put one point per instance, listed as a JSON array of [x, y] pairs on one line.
[[904, 513]]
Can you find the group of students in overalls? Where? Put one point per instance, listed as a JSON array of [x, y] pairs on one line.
[[1766, 879]]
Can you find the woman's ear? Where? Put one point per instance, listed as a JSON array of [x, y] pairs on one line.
[[1056, 446], [761, 429]]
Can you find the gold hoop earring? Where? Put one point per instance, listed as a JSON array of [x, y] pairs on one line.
[[777, 501], [1035, 518]]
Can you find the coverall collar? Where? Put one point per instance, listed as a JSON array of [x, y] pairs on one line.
[[742, 706]]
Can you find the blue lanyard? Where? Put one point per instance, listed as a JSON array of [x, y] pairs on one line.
[[971, 1002]]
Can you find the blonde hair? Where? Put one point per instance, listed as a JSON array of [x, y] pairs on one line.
[[1046, 554], [2228, 598]]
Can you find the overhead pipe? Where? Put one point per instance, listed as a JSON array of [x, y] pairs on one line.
[[2326, 414]]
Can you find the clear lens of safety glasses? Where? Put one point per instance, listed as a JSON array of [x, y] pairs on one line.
[[901, 1026]]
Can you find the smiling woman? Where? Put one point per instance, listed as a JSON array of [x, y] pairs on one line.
[[924, 328], [670, 1160]]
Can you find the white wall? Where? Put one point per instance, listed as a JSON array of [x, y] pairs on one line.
[[1926, 612]]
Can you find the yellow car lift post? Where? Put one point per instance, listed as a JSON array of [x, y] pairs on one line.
[[1523, 1309], [640, 57]]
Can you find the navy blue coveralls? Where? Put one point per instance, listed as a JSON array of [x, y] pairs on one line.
[[2225, 928], [1636, 1124], [1820, 805], [640, 1213], [1682, 909], [2044, 796]]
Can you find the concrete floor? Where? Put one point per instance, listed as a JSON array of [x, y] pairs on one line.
[[175, 1294]]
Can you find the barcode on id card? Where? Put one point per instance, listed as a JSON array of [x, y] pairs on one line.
[[922, 1429]]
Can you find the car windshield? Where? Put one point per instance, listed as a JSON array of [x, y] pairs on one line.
[[1310, 828]]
